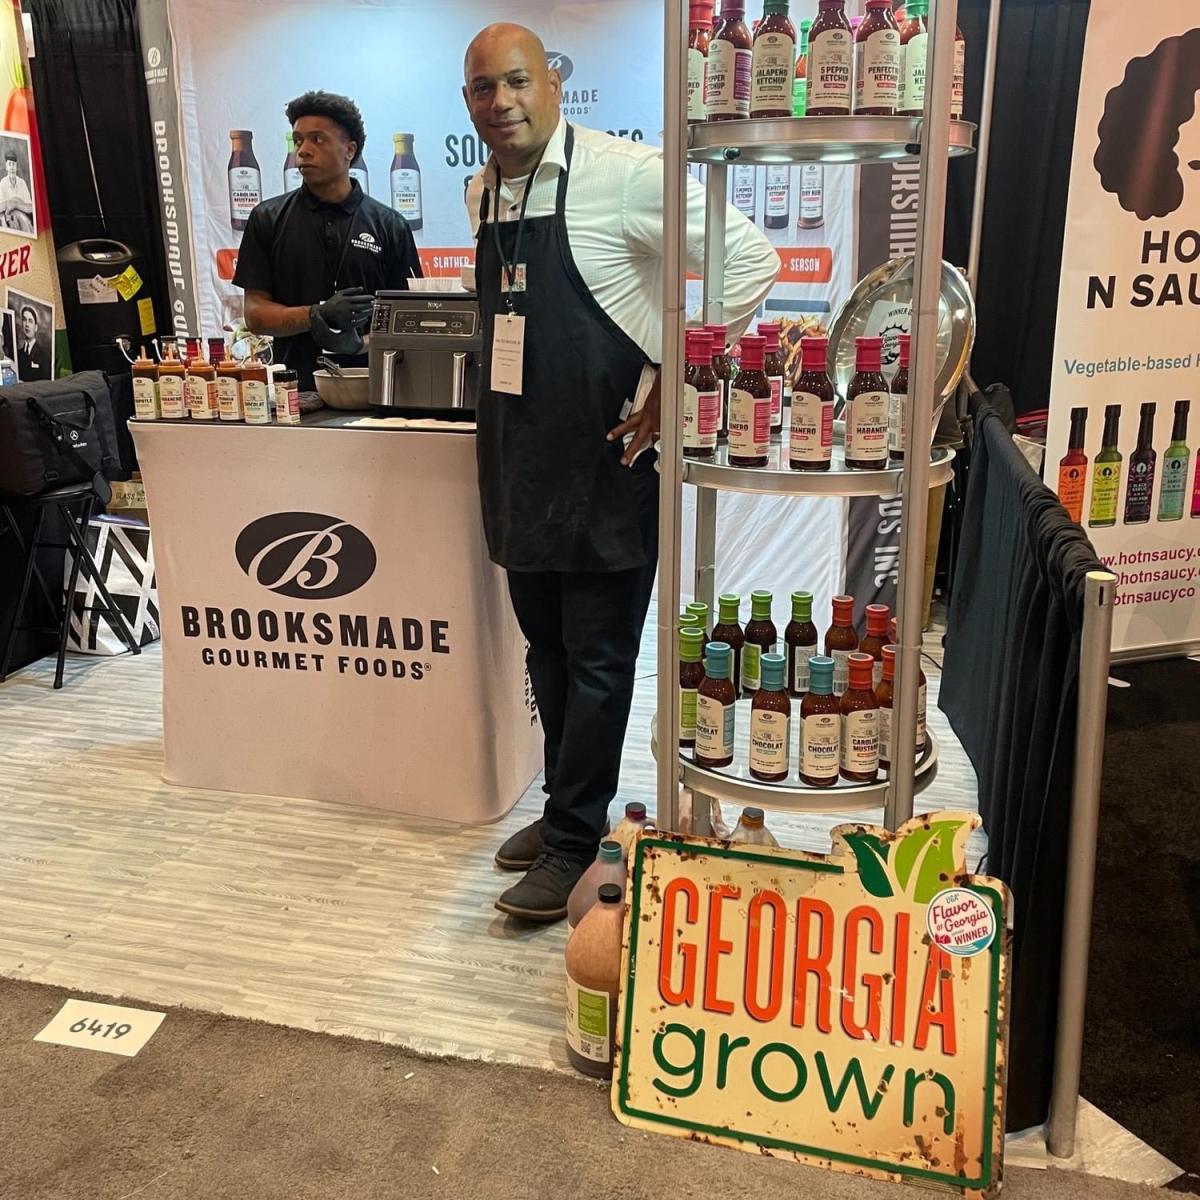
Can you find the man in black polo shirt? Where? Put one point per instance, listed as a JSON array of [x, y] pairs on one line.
[[310, 260]]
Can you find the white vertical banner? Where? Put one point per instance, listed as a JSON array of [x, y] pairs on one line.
[[1127, 353]]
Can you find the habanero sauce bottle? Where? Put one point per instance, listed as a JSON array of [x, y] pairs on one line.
[[701, 397], [170, 385], [1139, 491], [715, 708], [729, 631], [820, 727], [750, 407], [867, 403], [898, 403], [730, 54], [775, 370], [773, 62], [1072, 468], [725, 369], [800, 638], [877, 61], [841, 640], [771, 723], [761, 636], [830, 67], [1175, 466], [810, 440], [860, 724]]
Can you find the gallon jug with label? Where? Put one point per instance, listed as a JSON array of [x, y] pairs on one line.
[[593, 983], [609, 867]]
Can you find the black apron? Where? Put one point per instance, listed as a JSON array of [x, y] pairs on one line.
[[555, 495]]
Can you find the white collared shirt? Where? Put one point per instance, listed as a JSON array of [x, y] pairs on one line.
[[615, 226]]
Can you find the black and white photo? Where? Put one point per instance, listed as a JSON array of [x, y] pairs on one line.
[[35, 336], [18, 212]]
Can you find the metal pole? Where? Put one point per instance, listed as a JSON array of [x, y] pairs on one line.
[[670, 461], [927, 290], [714, 245], [984, 140], [1095, 646]]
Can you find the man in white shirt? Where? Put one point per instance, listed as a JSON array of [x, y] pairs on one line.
[[569, 274], [16, 202]]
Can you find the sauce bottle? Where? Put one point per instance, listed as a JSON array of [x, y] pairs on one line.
[[800, 638], [725, 369], [201, 386], [884, 693], [860, 724], [958, 83], [841, 640], [778, 203], [1106, 472], [701, 397], [145, 393], [630, 826], [820, 727], [867, 401], [750, 407], [812, 197], [922, 691], [830, 62], [876, 639], [800, 80], [593, 983], [700, 612], [729, 630], [256, 402], [609, 867], [761, 636], [745, 197], [292, 179], [877, 61], [1175, 465], [810, 440], [699, 36], [1139, 492], [773, 63], [914, 58], [774, 369], [1072, 468], [751, 829], [285, 386], [1196, 490], [689, 620], [358, 172], [244, 177], [691, 675], [170, 385], [715, 711], [229, 388], [406, 181], [898, 403], [770, 723], [727, 90]]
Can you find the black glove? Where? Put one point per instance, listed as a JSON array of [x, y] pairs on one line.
[[336, 323]]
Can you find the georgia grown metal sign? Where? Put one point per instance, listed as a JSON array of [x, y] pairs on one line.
[[846, 1010]]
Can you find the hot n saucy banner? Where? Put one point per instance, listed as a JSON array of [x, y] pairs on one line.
[[846, 1011], [1124, 431]]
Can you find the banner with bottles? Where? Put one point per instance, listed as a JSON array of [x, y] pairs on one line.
[[1124, 426]]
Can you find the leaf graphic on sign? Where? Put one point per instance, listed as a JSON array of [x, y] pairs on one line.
[[927, 858], [871, 852]]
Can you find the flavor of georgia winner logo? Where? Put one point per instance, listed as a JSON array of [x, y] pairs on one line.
[[961, 922], [312, 557]]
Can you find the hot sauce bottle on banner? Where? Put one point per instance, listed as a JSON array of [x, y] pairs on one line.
[[1072, 468], [292, 179], [922, 690], [810, 440], [820, 727], [170, 385], [145, 392], [860, 724], [778, 203], [750, 407], [774, 369], [715, 708], [229, 387], [725, 370], [201, 385], [841, 640], [245, 179], [898, 404], [1139, 492], [877, 61], [876, 639], [884, 693], [914, 58], [761, 636], [699, 36], [691, 675], [867, 401], [800, 638], [773, 62], [812, 197], [727, 90], [729, 630], [256, 393], [770, 723], [830, 68], [1106, 472], [1196, 490], [1175, 467], [701, 397]]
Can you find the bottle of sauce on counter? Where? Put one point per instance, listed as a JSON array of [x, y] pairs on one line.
[[715, 708], [884, 694], [867, 401], [914, 58], [841, 640], [725, 369], [800, 80], [860, 724], [810, 440], [594, 982], [898, 403], [700, 611], [229, 388], [877, 61], [761, 636], [775, 371], [256, 393], [830, 70], [699, 36], [201, 386], [691, 675], [701, 397], [820, 727], [729, 630], [630, 827], [771, 723], [773, 62], [1139, 493], [285, 384], [1072, 468], [171, 374], [800, 638], [1175, 465], [922, 689], [750, 407], [751, 829], [609, 867], [877, 638], [730, 55], [145, 390], [1106, 471]]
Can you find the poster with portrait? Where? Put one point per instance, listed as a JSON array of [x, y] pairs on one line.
[[1124, 432], [34, 335], [18, 206]]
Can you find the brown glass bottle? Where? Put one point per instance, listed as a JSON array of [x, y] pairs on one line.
[[761, 636], [898, 403], [715, 709], [171, 374], [729, 630], [201, 386], [773, 62], [867, 401], [691, 676], [771, 723], [256, 391], [810, 439], [229, 388], [701, 397], [699, 36], [750, 407], [820, 727], [884, 693], [145, 387], [775, 369], [245, 179], [730, 54], [877, 61], [841, 640], [921, 691], [860, 724], [800, 638], [877, 637], [830, 68], [725, 369]]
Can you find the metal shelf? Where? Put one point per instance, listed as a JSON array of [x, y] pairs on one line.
[[735, 785], [774, 140]]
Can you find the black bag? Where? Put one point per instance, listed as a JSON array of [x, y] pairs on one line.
[[55, 433]]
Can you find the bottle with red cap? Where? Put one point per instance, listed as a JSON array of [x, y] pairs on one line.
[[921, 693], [730, 55], [699, 36], [725, 370], [884, 692], [860, 723], [877, 61], [773, 62], [830, 62], [867, 402], [877, 637], [750, 407], [810, 441], [775, 369], [898, 406], [841, 640], [701, 397]]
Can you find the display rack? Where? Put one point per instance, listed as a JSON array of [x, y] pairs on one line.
[[932, 138]]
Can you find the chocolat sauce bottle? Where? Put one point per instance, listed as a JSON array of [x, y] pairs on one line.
[[820, 727], [770, 723], [715, 708]]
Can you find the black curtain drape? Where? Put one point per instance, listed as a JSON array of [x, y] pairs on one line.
[[1009, 688]]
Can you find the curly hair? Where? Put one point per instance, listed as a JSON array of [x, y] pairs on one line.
[[1139, 130], [339, 109]]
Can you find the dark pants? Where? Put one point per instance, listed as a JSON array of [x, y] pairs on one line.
[[583, 631]]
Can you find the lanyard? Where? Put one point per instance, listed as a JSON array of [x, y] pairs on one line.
[[510, 268]]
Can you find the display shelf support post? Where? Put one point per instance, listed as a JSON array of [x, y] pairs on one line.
[[927, 291], [670, 462], [983, 142], [714, 245], [1094, 659]]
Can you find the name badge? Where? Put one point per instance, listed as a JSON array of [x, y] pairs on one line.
[[508, 353], [519, 278]]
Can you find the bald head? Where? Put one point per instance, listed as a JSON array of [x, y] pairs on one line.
[[500, 37]]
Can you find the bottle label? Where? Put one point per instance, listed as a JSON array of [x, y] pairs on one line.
[[749, 424], [744, 199], [588, 1031], [687, 714], [145, 399], [245, 191], [841, 670], [812, 192], [691, 417], [708, 419], [697, 70], [1140, 491], [774, 65], [958, 85], [820, 745], [770, 733], [897, 421], [811, 438], [170, 397], [867, 427], [885, 735], [1106, 483], [287, 404], [714, 728], [196, 391], [779, 182], [776, 382], [1170, 496], [912, 86], [751, 667], [921, 692], [800, 669], [877, 70], [727, 89], [229, 398], [255, 402], [406, 193], [830, 70], [860, 741]]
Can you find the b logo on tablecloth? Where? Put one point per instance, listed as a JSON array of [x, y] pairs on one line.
[[308, 556]]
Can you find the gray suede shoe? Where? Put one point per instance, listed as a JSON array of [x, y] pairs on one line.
[[521, 850], [542, 895]]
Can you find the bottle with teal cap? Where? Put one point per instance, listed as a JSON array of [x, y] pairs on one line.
[[691, 676], [729, 630], [609, 867], [715, 708], [771, 723], [800, 638], [697, 609], [820, 726], [761, 636]]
